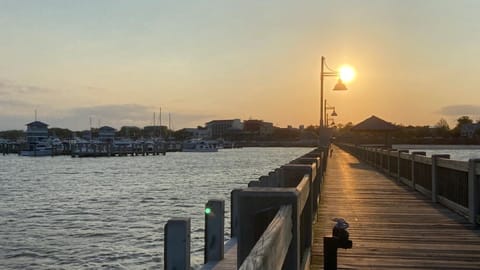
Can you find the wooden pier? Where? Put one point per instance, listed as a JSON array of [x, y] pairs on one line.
[[404, 211], [392, 226]]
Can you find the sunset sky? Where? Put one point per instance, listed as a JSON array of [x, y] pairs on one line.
[[117, 62]]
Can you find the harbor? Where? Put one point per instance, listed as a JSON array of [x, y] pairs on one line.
[[110, 212], [239, 135]]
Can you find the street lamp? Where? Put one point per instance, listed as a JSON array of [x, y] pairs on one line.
[[326, 107], [338, 87]]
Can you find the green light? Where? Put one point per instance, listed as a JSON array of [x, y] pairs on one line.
[[208, 210]]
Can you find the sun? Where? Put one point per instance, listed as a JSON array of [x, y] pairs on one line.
[[347, 73]]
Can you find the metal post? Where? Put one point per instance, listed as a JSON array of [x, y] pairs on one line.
[[214, 230], [321, 93], [329, 253], [325, 115]]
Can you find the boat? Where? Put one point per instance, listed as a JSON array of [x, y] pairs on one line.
[[198, 145], [40, 149]]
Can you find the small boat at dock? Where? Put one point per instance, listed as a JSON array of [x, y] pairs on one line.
[[198, 145]]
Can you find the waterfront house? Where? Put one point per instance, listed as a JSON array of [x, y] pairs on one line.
[[106, 134], [469, 130], [36, 131]]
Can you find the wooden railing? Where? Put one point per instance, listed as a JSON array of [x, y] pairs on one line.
[[275, 240], [452, 183], [271, 219]]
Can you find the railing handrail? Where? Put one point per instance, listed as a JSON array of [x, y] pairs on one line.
[[303, 189], [271, 249]]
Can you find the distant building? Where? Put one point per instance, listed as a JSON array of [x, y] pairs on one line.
[[106, 134], [197, 132], [258, 127], [36, 131], [219, 128], [468, 130], [86, 135]]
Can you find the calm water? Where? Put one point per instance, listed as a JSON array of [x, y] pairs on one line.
[[457, 152], [67, 213]]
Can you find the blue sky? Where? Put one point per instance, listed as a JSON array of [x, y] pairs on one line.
[[119, 61]]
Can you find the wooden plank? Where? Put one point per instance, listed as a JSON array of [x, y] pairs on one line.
[[423, 159], [391, 225], [229, 261], [453, 164]]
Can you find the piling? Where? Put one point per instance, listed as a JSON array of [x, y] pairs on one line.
[[177, 244]]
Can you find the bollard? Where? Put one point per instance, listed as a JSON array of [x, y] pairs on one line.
[[338, 240], [214, 230], [177, 244]]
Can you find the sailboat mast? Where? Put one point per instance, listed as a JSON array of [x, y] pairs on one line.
[[154, 127], [160, 122]]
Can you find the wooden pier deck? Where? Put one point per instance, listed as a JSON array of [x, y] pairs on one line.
[[391, 226]]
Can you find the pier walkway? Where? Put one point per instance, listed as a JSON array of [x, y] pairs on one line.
[[391, 225]]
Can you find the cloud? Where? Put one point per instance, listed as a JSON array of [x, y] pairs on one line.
[[115, 115], [12, 103], [118, 115], [17, 99], [457, 110], [11, 88]]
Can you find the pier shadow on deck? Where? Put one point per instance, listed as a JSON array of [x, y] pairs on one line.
[[391, 225]]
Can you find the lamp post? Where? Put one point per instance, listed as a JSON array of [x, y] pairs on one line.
[[339, 86], [325, 112]]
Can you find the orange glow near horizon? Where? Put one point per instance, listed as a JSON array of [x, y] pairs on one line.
[[347, 73]]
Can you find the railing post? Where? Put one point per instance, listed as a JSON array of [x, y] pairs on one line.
[[177, 244], [434, 175], [255, 205], [413, 166], [399, 159], [473, 192], [390, 155], [214, 230], [389, 152]]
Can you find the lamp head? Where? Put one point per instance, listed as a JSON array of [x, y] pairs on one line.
[[340, 86], [334, 113]]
